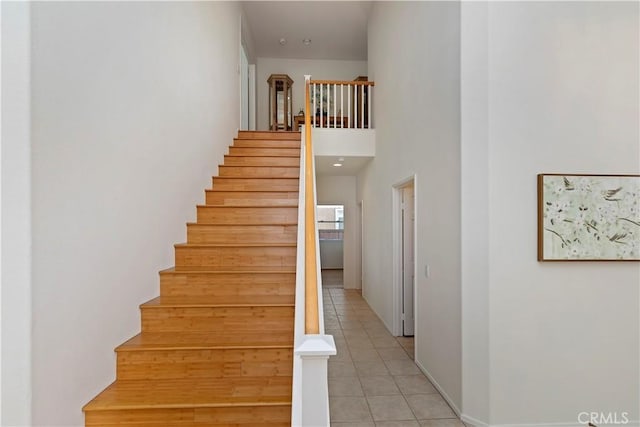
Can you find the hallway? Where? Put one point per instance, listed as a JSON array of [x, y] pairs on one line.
[[373, 380]]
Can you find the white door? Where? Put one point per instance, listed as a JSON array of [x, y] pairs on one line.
[[408, 279]]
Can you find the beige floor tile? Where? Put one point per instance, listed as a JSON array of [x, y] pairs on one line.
[[337, 332], [348, 317], [356, 333], [349, 409], [385, 342], [364, 355], [379, 386], [341, 344], [350, 324], [358, 342], [414, 384], [397, 424], [378, 332], [331, 324], [343, 355], [344, 386], [395, 353], [442, 423], [377, 323], [404, 341], [402, 367], [362, 424], [371, 369], [341, 369], [429, 406], [389, 408]]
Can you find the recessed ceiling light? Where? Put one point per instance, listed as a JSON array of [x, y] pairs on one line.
[[306, 42], [337, 165], [282, 41]]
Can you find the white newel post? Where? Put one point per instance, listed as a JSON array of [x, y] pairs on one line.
[[314, 352]]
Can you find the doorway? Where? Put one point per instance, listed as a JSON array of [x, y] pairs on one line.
[[331, 241], [404, 243]]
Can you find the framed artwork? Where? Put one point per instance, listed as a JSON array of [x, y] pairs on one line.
[[588, 217]]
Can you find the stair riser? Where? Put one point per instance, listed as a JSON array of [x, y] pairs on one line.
[[256, 151], [209, 284], [268, 135], [255, 184], [261, 161], [208, 319], [248, 215], [266, 198], [272, 416], [266, 143], [210, 234], [235, 258], [204, 363], [259, 171]]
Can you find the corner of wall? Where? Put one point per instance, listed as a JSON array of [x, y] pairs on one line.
[[15, 169]]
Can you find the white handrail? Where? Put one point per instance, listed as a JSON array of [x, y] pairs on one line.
[[310, 400]]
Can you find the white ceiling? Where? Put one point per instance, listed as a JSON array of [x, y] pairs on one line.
[[350, 165], [337, 29]]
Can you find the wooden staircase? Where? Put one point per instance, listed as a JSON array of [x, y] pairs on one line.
[[216, 346]]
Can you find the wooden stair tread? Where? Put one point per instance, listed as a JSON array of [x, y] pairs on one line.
[[287, 192], [172, 270], [221, 301], [245, 206], [207, 340], [257, 166], [269, 134], [235, 245], [237, 202], [245, 224], [256, 177], [193, 393]]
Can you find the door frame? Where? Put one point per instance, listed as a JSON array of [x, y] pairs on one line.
[[397, 260]]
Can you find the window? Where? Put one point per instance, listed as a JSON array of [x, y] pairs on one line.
[[330, 222]]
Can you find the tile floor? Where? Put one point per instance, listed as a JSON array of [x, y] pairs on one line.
[[373, 380]]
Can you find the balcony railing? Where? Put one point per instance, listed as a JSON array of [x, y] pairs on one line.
[[337, 104]]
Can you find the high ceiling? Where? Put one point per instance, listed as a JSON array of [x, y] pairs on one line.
[[337, 29]]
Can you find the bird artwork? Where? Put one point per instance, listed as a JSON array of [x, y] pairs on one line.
[[588, 217], [610, 194]]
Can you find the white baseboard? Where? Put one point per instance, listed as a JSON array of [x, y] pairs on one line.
[[472, 421], [439, 388], [477, 423]]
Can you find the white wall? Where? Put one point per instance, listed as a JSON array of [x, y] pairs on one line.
[[562, 95], [341, 190], [133, 105], [15, 385], [296, 69], [414, 54], [475, 276]]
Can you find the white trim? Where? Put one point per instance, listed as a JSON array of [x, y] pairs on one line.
[[396, 259], [252, 96], [477, 423], [472, 421]]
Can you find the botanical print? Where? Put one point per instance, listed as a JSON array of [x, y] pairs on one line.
[[590, 217]]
